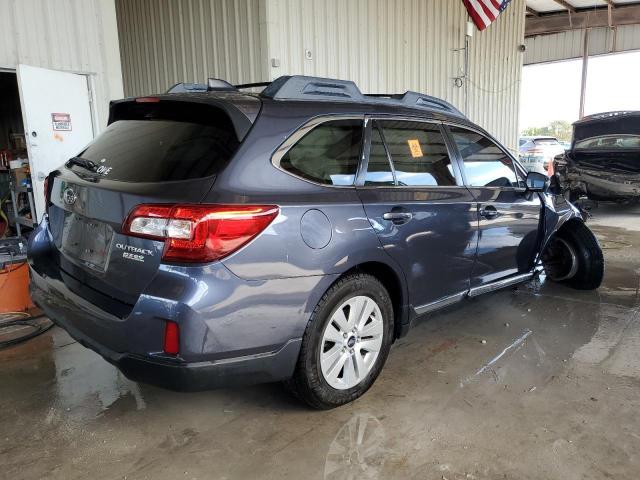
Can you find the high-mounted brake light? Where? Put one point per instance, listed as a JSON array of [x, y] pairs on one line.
[[199, 233], [147, 100]]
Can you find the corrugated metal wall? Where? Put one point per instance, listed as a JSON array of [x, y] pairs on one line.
[[393, 46], [496, 73], [74, 35], [568, 45], [164, 42], [385, 46]]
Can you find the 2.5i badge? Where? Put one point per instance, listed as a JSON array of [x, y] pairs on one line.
[[134, 253]]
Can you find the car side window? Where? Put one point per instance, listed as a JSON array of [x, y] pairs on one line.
[[485, 164], [418, 152], [328, 154], [378, 169]]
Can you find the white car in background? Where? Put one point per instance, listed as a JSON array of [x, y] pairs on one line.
[[536, 153]]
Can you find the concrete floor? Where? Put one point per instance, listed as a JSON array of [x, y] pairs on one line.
[[554, 393]]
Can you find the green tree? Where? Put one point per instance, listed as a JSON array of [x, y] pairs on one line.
[[560, 129]]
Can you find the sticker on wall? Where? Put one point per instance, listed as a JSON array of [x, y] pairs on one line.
[[416, 149], [61, 122]]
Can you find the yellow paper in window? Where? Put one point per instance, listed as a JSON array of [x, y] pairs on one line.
[[416, 149]]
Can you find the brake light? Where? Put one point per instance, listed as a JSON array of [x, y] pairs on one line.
[[199, 233], [171, 343], [147, 100]]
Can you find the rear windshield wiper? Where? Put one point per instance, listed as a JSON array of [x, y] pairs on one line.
[[81, 162]]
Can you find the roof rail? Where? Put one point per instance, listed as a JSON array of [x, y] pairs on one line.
[[212, 85], [421, 100], [300, 87], [188, 88]]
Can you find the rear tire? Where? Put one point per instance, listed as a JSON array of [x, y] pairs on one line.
[[338, 364], [582, 263]]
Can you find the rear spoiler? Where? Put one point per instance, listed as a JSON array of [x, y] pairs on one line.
[[242, 110]]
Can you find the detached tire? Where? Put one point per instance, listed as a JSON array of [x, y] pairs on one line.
[[582, 256], [345, 344]]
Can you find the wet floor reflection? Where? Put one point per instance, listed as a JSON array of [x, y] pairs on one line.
[[85, 385], [357, 450]]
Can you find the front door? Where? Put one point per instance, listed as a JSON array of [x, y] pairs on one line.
[[508, 215], [57, 118], [424, 217]]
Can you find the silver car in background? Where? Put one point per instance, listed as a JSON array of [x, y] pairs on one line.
[[536, 153]]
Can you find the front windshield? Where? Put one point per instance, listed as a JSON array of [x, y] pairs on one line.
[[609, 142]]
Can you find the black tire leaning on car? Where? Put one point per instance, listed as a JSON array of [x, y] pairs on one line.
[[308, 383], [589, 255]]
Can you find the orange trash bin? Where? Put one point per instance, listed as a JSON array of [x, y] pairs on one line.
[[14, 288]]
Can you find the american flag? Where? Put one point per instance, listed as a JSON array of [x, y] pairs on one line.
[[483, 12]]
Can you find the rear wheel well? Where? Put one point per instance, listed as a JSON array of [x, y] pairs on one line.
[[389, 278]]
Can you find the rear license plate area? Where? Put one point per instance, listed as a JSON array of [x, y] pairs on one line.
[[87, 240]]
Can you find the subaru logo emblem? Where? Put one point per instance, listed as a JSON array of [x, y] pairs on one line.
[[69, 196]]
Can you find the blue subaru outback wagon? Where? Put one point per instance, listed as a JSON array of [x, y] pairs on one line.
[[211, 237]]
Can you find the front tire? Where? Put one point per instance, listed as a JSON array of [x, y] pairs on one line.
[[345, 344], [574, 257]]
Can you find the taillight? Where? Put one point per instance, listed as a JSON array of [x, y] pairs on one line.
[[199, 233], [171, 344]]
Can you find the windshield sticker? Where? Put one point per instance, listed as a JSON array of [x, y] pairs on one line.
[[416, 149]]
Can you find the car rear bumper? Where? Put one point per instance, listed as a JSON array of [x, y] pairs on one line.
[[72, 312]]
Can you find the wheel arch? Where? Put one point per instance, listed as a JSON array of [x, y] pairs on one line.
[[395, 284]]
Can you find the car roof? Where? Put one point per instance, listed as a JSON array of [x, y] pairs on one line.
[[307, 96], [326, 93]]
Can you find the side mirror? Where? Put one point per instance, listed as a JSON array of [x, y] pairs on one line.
[[537, 182]]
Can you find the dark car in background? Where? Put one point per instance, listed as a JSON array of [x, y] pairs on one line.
[[604, 160], [214, 237]]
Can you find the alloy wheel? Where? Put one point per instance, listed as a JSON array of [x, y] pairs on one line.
[[351, 342]]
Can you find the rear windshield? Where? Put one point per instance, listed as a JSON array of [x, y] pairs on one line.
[[155, 150]]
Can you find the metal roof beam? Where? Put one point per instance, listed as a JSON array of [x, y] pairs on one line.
[[565, 21], [566, 5]]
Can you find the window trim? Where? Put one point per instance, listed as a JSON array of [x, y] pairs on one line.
[[386, 151], [518, 169], [307, 127], [369, 125]]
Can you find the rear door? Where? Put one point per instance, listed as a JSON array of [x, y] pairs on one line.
[[424, 217], [57, 116], [509, 217]]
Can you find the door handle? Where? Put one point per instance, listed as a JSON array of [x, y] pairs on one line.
[[398, 217], [489, 212]]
